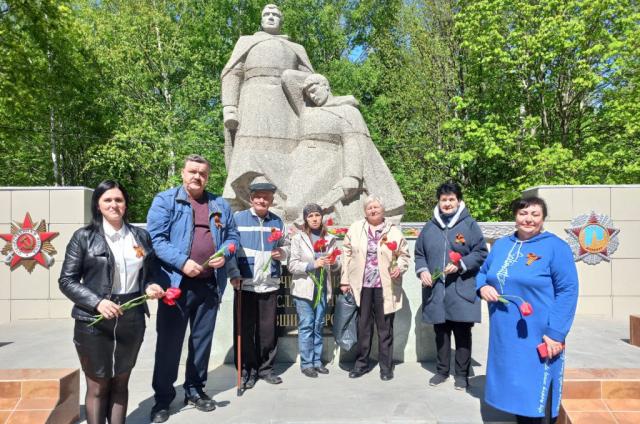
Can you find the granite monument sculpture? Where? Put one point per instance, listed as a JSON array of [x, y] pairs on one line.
[[283, 126]]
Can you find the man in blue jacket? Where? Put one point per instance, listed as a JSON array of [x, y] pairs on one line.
[[258, 267], [187, 226]]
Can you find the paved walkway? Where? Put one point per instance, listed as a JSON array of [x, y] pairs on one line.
[[594, 343]]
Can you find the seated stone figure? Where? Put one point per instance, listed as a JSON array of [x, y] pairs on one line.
[[335, 162]]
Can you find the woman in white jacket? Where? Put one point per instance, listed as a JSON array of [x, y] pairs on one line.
[[311, 262]]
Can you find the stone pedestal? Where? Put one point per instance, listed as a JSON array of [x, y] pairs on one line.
[[600, 396], [634, 330], [39, 396]]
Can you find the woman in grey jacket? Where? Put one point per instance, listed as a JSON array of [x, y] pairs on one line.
[[449, 253], [311, 252]]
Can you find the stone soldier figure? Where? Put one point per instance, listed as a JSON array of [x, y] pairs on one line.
[[335, 162], [260, 126]]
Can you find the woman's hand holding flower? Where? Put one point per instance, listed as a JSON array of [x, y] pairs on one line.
[[109, 309], [425, 279], [450, 269], [321, 262], [489, 293], [395, 272], [154, 291]]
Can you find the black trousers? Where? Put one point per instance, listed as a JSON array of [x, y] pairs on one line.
[[259, 336], [372, 309], [462, 333], [198, 307]]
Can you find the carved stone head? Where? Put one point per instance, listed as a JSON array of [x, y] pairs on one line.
[[271, 20], [316, 88]]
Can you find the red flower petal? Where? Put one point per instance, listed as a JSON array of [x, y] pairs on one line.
[[526, 309], [392, 245], [455, 257]]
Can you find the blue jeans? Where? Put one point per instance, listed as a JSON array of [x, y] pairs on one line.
[[310, 323]]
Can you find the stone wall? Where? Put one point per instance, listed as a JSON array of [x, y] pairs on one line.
[[35, 295], [608, 289]]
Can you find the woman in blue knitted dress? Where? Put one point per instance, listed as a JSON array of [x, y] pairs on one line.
[[534, 268]]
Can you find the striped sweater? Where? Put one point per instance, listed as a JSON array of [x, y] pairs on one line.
[[255, 251]]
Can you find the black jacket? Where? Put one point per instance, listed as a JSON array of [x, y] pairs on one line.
[[452, 298], [87, 272]]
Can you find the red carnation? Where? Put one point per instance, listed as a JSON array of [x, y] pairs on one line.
[[320, 245], [334, 255], [329, 222], [455, 257], [392, 245], [526, 309], [171, 295], [275, 235], [232, 248]]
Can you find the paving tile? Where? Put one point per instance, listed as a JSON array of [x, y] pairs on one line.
[[4, 416], [617, 389], [41, 389], [626, 373], [590, 418], [627, 417], [581, 390], [9, 389], [28, 404], [584, 405], [29, 417], [8, 403], [623, 405]]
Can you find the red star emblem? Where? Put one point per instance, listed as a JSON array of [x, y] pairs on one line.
[[28, 245]]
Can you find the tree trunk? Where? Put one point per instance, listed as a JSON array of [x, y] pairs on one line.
[[167, 98]]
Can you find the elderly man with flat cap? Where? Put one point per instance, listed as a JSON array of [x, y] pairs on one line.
[[258, 264]]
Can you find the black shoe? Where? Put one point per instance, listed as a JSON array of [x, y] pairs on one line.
[[201, 401], [355, 373], [460, 383], [322, 370], [249, 379], [250, 382], [310, 372], [272, 379], [386, 376], [159, 413], [438, 379]]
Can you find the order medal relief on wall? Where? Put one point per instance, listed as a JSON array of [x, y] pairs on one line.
[[592, 238], [28, 245]]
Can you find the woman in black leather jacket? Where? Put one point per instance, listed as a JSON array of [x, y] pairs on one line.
[[108, 263]]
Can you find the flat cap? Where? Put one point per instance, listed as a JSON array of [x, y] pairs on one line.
[[262, 187]]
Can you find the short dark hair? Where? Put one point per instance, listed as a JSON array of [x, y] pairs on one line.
[[96, 215], [448, 188], [525, 202], [198, 159]]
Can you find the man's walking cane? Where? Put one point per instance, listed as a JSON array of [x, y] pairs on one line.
[[239, 338]]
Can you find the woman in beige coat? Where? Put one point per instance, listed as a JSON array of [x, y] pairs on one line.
[[375, 257], [311, 255]]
